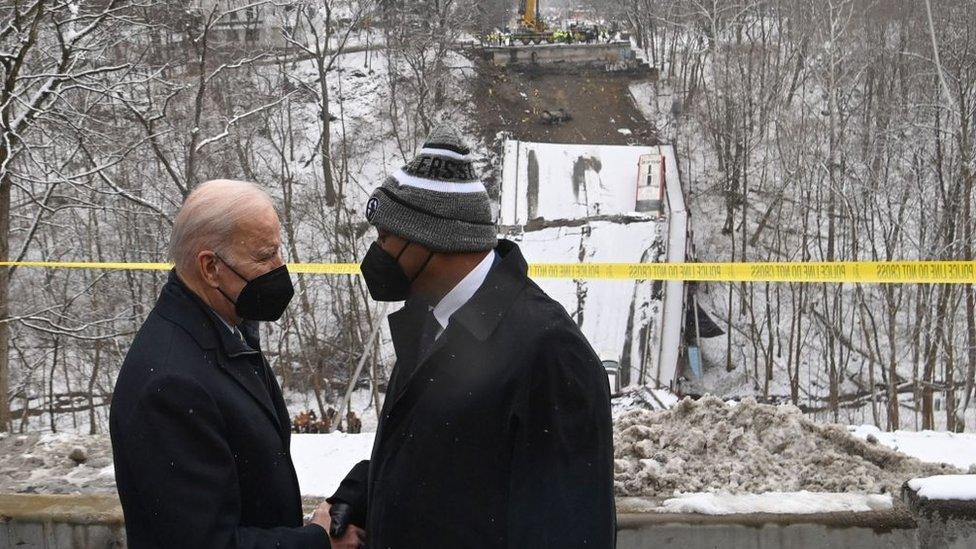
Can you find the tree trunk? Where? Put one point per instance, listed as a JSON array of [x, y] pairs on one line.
[[928, 374], [893, 419], [4, 302], [325, 145]]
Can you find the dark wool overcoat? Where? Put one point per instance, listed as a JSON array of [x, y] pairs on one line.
[[200, 436], [500, 436]]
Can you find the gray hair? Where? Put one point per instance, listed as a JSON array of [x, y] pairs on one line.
[[209, 217]]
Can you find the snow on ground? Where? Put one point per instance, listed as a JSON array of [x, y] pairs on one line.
[[775, 502], [44, 463], [361, 403], [645, 96], [958, 487], [709, 446], [642, 397], [956, 449], [322, 461], [702, 456], [357, 92]]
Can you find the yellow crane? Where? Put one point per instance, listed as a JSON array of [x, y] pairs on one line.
[[531, 27], [531, 19]]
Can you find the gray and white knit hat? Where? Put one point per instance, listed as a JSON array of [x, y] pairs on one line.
[[436, 200]]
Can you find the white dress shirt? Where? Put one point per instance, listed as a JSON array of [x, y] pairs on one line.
[[462, 293], [233, 329]]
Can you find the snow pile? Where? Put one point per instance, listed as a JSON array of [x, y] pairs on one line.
[[60, 463], [708, 446], [82, 464], [776, 502], [956, 449], [694, 447], [958, 487]]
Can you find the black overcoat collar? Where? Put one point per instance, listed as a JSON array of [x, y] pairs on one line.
[[480, 316], [240, 359]]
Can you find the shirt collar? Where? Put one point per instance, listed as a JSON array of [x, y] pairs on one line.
[[230, 328], [171, 306], [462, 293]]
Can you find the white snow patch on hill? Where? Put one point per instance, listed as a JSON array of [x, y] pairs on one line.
[[957, 449]]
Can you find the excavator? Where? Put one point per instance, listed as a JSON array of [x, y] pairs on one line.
[[530, 28]]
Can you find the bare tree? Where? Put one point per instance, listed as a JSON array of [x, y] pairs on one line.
[[51, 51]]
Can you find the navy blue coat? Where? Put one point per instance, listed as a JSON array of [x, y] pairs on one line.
[[499, 437], [200, 436]]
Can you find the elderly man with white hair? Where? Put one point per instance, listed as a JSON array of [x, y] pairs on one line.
[[200, 432]]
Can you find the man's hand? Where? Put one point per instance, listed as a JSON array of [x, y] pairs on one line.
[[321, 517], [335, 520], [354, 538]]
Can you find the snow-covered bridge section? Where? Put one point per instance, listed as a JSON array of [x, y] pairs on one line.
[[568, 203]]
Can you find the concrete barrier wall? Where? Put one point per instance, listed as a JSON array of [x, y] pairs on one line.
[[30, 521], [948, 524], [827, 531], [597, 54]]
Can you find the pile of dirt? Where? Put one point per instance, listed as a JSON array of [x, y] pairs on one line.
[[599, 103], [707, 445]]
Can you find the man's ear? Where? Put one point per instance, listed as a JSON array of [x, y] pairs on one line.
[[207, 264]]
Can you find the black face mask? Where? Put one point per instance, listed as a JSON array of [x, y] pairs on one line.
[[384, 276], [264, 297]]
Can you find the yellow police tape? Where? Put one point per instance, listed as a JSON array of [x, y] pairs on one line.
[[869, 272]]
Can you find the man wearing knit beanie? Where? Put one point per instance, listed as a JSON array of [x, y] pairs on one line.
[[495, 430]]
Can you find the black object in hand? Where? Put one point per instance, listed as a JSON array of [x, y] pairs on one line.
[[341, 515]]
